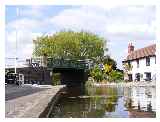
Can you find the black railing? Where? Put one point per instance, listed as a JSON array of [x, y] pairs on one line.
[[67, 63]]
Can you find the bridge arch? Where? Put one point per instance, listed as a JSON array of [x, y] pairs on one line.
[[72, 72]]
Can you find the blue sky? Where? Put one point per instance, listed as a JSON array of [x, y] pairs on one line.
[[119, 25]]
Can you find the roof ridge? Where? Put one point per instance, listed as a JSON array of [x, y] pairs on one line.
[[142, 52], [143, 48]]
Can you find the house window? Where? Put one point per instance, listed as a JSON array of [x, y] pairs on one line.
[[148, 76], [137, 63], [137, 76], [148, 61]]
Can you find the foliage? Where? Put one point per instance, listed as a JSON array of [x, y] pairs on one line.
[[127, 67], [110, 107], [115, 76], [107, 68], [110, 72], [56, 79], [109, 61], [70, 44], [111, 104], [97, 73]]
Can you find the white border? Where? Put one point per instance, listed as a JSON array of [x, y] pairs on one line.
[[104, 3], [81, 2], [2, 59], [158, 58]]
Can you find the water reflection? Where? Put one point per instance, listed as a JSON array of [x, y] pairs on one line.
[[106, 102]]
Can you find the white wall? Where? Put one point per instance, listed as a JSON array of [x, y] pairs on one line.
[[143, 68]]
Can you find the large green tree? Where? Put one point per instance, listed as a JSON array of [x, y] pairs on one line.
[[70, 44]]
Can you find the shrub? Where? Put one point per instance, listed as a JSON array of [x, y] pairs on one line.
[[56, 79], [115, 76], [97, 74]]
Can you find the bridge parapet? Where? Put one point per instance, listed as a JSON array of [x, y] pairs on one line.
[[67, 63]]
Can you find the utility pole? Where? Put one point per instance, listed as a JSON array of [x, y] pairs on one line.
[[15, 68]]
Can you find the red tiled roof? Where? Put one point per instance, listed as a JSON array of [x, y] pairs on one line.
[[141, 53]]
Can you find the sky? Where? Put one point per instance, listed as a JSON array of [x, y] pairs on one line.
[[119, 25]]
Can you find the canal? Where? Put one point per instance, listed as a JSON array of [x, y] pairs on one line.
[[105, 102]]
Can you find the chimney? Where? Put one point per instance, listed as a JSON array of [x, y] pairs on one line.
[[130, 48]]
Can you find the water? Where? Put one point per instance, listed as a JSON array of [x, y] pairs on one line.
[[105, 102]]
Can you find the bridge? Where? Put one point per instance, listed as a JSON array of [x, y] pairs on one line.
[[73, 72]]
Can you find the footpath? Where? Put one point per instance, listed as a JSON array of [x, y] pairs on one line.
[[32, 105]]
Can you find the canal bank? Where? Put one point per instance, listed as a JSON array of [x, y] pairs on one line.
[[32, 105], [129, 84]]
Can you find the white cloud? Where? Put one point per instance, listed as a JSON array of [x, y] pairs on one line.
[[24, 43], [22, 36], [117, 24], [127, 28], [84, 18], [36, 11], [25, 24], [11, 37], [33, 11]]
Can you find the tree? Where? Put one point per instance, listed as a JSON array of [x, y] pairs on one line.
[[70, 44]]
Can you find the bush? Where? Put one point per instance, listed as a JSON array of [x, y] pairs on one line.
[[56, 79], [107, 74], [115, 76], [97, 74]]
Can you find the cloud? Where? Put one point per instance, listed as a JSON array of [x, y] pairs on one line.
[[128, 28], [131, 15], [31, 11], [25, 24], [24, 43], [83, 18], [119, 25]]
